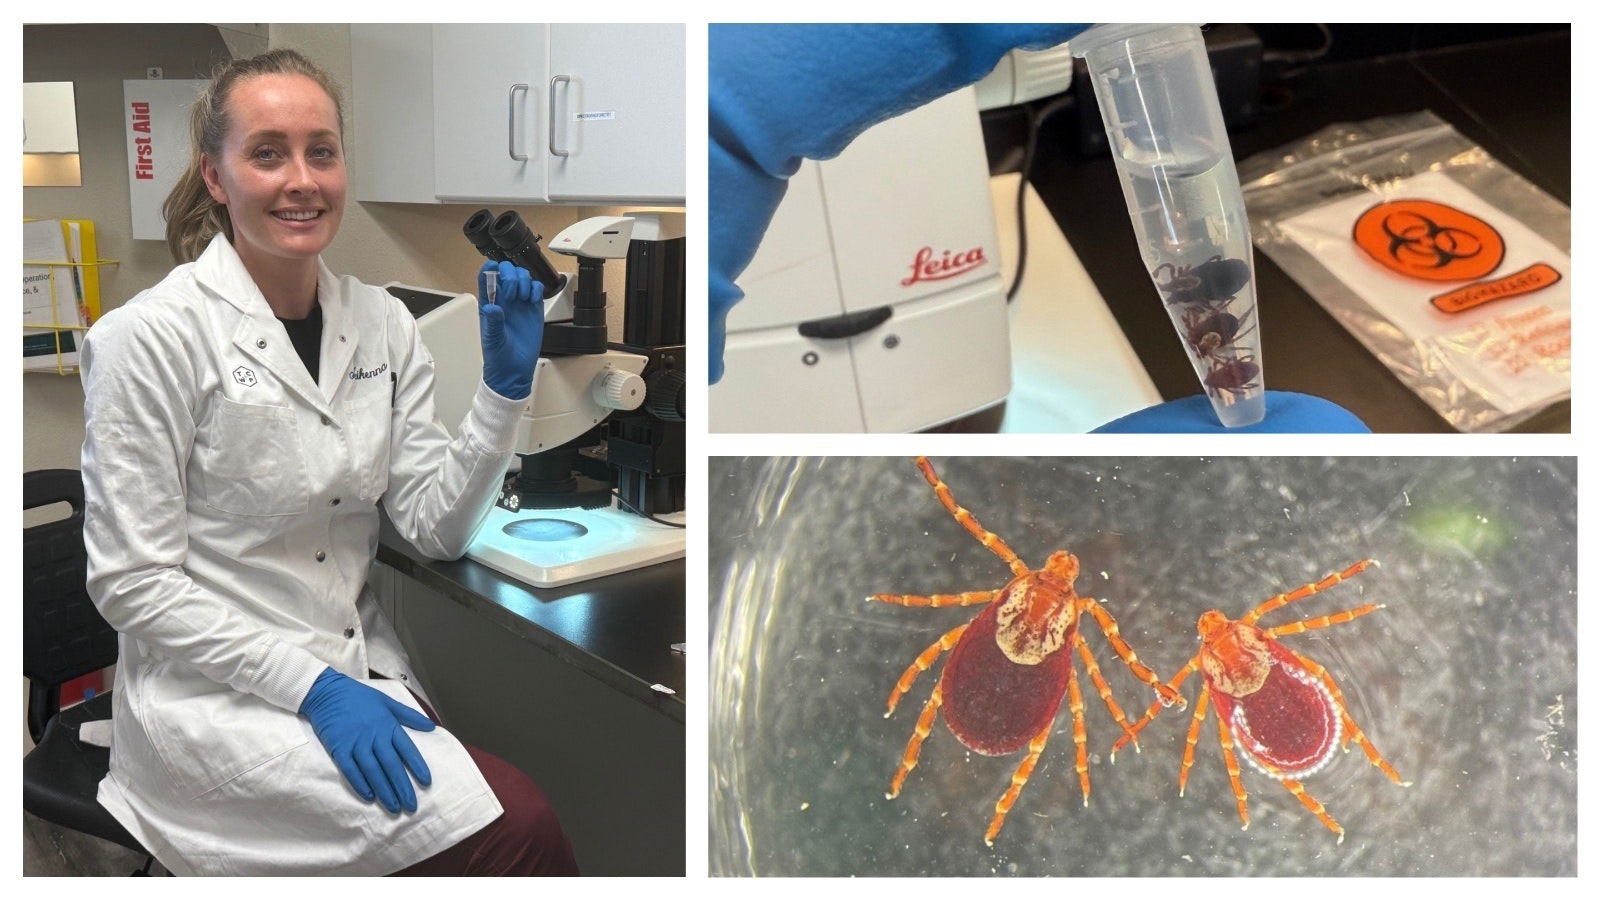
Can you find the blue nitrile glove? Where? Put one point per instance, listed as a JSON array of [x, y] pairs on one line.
[[1287, 413], [783, 93], [512, 329], [360, 727]]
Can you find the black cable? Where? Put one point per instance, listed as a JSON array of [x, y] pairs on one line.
[[1296, 57], [1278, 65], [1036, 119], [635, 509]]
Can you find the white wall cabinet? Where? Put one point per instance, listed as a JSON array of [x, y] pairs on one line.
[[489, 126], [617, 101], [583, 113], [390, 113]]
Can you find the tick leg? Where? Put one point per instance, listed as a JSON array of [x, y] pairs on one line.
[[1350, 727], [1018, 779], [985, 537], [1079, 737], [924, 725], [1233, 769], [1125, 652], [1189, 743], [1305, 591], [922, 663], [1311, 803], [1101, 686], [1155, 708], [1373, 756], [1338, 618], [971, 598]]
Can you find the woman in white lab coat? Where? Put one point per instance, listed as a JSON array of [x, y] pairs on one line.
[[244, 418]]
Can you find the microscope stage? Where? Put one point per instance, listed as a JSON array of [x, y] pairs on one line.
[[553, 547]]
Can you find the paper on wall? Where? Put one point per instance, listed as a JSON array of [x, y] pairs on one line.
[[51, 299]]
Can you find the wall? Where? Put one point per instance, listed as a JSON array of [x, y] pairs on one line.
[[378, 242]]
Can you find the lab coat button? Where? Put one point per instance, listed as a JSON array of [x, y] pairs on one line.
[[334, 502], [326, 421], [261, 343], [321, 556], [349, 632], [404, 677]]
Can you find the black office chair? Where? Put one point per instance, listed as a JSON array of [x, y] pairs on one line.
[[63, 637]]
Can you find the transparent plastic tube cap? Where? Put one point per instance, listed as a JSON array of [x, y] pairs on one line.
[[1159, 105]]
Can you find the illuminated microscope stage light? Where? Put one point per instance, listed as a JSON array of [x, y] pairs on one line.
[[553, 547]]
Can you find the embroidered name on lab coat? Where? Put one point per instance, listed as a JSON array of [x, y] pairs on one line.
[[359, 373]]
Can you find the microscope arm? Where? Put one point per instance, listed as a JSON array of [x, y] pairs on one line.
[[573, 394]]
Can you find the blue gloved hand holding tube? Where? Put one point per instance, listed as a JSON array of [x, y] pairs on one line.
[[781, 94], [511, 320], [363, 729], [1287, 413]]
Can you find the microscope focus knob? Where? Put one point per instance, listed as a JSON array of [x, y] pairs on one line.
[[666, 397], [617, 389]]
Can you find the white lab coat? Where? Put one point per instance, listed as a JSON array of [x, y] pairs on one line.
[[231, 522]]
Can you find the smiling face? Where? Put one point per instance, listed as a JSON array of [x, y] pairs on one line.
[[280, 171]]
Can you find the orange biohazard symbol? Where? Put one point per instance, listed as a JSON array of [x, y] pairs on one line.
[[1429, 240]]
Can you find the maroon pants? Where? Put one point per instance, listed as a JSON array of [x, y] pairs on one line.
[[526, 840]]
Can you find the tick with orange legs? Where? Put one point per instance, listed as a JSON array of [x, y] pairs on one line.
[[1281, 710], [1011, 665]]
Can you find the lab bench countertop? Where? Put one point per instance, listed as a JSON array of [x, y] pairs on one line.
[[618, 629], [1512, 96]]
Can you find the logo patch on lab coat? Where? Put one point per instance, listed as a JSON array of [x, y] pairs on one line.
[[244, 376]]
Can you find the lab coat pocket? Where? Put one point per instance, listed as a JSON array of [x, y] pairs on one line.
[[368, 422], [207, 733], [249, 460]]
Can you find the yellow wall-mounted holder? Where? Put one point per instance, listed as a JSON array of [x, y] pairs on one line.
[[61, 297]]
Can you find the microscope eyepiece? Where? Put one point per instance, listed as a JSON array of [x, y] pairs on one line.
[[477, 231], [520, 246]]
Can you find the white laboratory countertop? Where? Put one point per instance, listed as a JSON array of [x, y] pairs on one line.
[[1072, 368]]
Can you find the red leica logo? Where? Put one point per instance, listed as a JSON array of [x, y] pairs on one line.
[[948, 265]]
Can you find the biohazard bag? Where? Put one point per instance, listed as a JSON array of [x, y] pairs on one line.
[[1452, 269]]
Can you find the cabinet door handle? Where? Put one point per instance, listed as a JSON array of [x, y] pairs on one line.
[[511, 122], [553, 81]]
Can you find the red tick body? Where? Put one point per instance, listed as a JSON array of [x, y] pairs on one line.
[[1010, 667], [1281, 710], [993, 705]]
